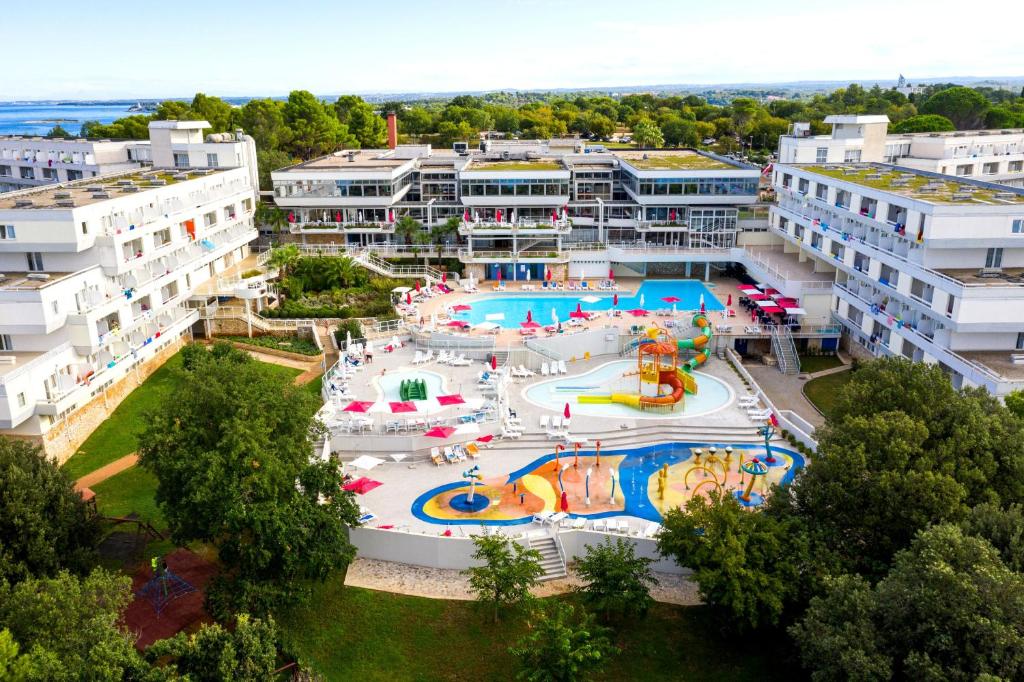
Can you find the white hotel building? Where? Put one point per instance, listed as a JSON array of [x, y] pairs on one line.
[[989, 155], [927, 266], [97, 274], [34, 161]]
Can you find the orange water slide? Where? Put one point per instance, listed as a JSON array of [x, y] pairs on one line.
[[668, 378]]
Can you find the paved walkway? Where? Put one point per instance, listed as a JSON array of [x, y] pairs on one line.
[[786, 391], [105, 472], [436, 583]]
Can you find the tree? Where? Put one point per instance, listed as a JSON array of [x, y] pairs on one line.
[[562, 647], [68, 627], [127, 128], [214, 653], [616, 582], [963, 106], [13, 668], [408, 229], [647, 134], [263, 119], [507, 573], [924, 123], [948, 610], [1002, 528], [58, 131], [680, 132], [269, 160], [241, 448], [1015, 403], [448, 133], [214, 111], [415, 121], [284, 257], [747, 565], [362, 121], [1004, 117], [44, 525], [313, 128], [440, 234], [173, 110]]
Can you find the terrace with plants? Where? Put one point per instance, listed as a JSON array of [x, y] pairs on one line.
[[677, 161], [917, 186], [515, 166]]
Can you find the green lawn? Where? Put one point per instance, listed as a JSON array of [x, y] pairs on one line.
[[292, 344], [822, 391], [315, 386], [817, 363], [349, 633], [132, 490], [117, 435]]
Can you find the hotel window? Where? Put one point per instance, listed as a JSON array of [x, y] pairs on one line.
[[180, 160], [211, 161], [994, 258], [7, 231], [851, 156], [1020, 341], [75, 175], [210, 219], [21, 400], [85, 227], [35, 261], [5, 171], [965, 169], [821, 155], [1013, 167], [5, 342], [990, 168], [28, 174], [1018, 226], [49, 174]]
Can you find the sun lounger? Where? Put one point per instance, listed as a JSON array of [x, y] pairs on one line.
[[579, 523], [461, 361], [472, 450], [542, 517], [652, 529], [526, 372], [556, 519], [562, 368], [435, 456], [544, 369], [544, 421], [600, 524], [507, 433]]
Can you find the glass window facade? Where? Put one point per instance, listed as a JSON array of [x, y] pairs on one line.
[[515, 187]]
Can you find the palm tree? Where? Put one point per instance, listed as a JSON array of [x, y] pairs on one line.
[[439, 234], [407, 228], [284, 258], [271, 216]]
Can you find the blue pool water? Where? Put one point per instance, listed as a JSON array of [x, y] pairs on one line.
[[553, 395], [389, 384], [514, 308]]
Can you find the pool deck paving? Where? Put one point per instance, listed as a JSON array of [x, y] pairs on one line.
[[786, 391]]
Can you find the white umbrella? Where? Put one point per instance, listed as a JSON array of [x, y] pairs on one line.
[[554, 316], [641, 300], [325, 454], [433, 320], [590, 299], [395, 343], [399, 456], [795, 311], [527, 274], [674, 311], [348, 338], [369, 347], [366, 462], [702, 300], [472, 284]]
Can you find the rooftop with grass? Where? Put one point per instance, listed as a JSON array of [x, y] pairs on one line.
[[87, 191], [681, 159], [927, 187], [515, 166]]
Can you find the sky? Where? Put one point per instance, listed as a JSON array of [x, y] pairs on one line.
[[112, 49]]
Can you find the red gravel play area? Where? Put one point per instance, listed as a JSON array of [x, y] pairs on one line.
[[184, 613]]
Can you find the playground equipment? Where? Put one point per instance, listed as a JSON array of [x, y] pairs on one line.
[[164, 587], [412, 389], [468, 502], [658, 365], [756, 469]]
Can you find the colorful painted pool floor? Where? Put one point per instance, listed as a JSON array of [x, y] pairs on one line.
[[514, 498]]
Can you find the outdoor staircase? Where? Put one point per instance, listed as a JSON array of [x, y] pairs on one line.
[[784, 348], [375, 263], [550, 558]]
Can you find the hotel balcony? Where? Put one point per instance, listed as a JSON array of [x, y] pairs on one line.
[[354, 227], [527, 256], [522, 226]]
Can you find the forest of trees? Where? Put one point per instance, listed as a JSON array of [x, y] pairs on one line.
[[304, 126]]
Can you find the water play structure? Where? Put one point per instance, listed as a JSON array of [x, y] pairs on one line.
[[413, 389], [658, 366]]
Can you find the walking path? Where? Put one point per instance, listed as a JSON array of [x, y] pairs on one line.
[[786, 391], [436, 583], [106, 471]]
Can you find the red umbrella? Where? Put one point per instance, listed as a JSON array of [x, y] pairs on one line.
[[611, 274], [444, 277], [565, 501], [485, 439], [565, 412], [529, 316], [453, 399], [529, 324], [494, 362], [548, 275], [408, 298], [499, 274], [672, 299], [728, 301], [554, 216], [417, 286], [497, 216], [773, 310], [457, 323], [358, 406], [404, 406], [615, 299], [458, 308], [747, 287], [638, 312], [465, 216], [440, 432], [758, 297]]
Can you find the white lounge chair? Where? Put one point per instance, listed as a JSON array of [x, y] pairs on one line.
[[544, 369], [562, 368], [544, 421], [526, 372], [418, 358], [556, 519], [510, 434], [461, 361], [756, 415], [542, 517]]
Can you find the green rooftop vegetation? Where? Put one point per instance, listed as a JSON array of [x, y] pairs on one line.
[[515, 166], [914, 187], [676, 162]]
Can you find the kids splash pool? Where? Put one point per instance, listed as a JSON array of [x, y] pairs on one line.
[[712, 394], [513, 309], [390, 385], [641, 482]]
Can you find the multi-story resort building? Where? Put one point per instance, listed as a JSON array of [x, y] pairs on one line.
[[990, 155], [927, 266], [99, 275], [33, 161]]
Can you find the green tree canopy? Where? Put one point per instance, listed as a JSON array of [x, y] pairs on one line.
[[263, 119], [58, 131], [217, 654], [240, 447], [561, 646], [647, 134], [616, 582], [44, 525], [362, 121], [506, 573], [214, 111], [924, 123], [963, 106], [314, 128]]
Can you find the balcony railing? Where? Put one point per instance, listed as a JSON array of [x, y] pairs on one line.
[[533, 227]]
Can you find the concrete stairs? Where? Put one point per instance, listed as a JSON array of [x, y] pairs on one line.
[[550, 558], [784, 348], [374, 263]]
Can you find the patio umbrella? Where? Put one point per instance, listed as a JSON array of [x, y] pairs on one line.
[[444, 277], [794, 310], [554, 216], [565, 412], [638, 312], [485, 439], [773, 310], [554, 316], [498, 277], [361, 485], [757, 297], [702, 302], [590, 299], [548, 274], [529, 316], [494, 362], [457, 323], [451, 399], [527, 274], [672, 299], [440, 432], [529, 324], [748, 287], [325, 454], [408, 298], [358, 406], [486, 325], [366, 462], [404, 406], [611, 274], [417, 286], [728, 301], [615, 299], [465, 216], [398, 456], [641, 300], [400, 290], [498, 216], [578, 313]]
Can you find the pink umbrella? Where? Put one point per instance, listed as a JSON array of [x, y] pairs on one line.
[[638, 312], [465, 216], [391, 216], [497, 216], [357, 406], [417, 286], [453, 399], [499, 274], [615, 299], [554, 216], [404, 406], [758, 297], [747, 287], [548, 275], [408, 298], [773, 310], [611, 274], [440, 432], [444, 277], [529, 324], [728, 301], [529, 316], [485, 439], [459, 307], [494, 362], [672, 299], [578, 313], [565, 412], [457, 323]]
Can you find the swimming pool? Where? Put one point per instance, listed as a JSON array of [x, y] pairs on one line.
[[712, 394], [514, 308], [623, 482], [389, 384]]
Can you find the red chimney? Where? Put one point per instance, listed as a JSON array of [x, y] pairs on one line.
[[392, 130]]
